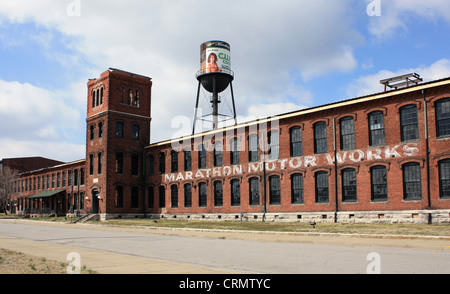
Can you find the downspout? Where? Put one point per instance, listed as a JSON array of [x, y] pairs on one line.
[[144, 179], [427, 150], [335, 171]]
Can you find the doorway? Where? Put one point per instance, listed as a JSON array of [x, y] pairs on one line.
[[94, 194]]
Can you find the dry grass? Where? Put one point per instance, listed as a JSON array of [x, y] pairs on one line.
[[12, 262], [345, 228]]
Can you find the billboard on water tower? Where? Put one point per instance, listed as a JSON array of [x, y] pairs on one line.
[[215, 57]]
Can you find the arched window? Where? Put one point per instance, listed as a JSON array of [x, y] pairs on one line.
[[254, 191], [274, 190], [296, 141], [443, 117], [320, 137], [322, 191], [297, 189], [218, 193], [349, 185], [444, 179], [412, 182], [378, 176], [235, 193]]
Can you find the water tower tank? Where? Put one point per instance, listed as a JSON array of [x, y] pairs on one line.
[[215, 66]]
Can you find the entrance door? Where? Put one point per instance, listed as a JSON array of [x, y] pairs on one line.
[[94, 194]]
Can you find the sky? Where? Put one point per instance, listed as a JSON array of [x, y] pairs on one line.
[[286, 55]]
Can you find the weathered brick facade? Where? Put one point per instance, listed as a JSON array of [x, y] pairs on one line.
[[382, 157]]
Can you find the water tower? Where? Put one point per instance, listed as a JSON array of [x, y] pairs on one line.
[[214, 76]]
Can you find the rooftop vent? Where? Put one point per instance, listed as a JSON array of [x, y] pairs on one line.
[[402, 81]]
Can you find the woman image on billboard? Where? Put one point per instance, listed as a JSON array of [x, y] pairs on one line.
[[212, 63]]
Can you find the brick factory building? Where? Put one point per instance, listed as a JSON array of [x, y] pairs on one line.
[[384, 157]]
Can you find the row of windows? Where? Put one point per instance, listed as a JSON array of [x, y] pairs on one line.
[[409, 132], [45, 182], [119, 131], [97, 97], [412, 188]]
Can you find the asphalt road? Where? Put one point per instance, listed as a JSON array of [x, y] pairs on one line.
[[245, 253]]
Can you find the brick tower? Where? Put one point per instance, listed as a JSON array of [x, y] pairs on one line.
[[118, 129]]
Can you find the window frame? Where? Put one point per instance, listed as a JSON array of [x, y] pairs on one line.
[[320, 137], [296, 141]]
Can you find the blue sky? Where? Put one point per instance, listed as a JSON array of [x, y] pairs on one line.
[[286, 55]]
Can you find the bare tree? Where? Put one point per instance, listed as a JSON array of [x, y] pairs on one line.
[[7, 177]]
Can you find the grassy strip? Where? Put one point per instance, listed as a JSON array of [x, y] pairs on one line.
[[345, 228]]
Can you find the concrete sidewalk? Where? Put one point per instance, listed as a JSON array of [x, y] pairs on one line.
[[112, 263], [104, 262]]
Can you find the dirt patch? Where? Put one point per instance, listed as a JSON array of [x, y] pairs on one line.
[[12, 262]]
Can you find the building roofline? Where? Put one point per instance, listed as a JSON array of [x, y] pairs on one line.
[[380, 95], [53, 167]]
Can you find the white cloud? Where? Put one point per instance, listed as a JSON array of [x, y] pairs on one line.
[[275, 46], [38, 120], [370, 84], [397, 14]]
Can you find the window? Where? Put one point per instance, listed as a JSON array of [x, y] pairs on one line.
[[235, 193], [75, 177], [92, 132], [349, 185], [150, 197], [135, 164], [135, 132], [443, 117], [119, 129], [187, 160], [297, 189], [58, 181], [320, 137], [151, 164], [296, 141], [53, 181], [444, 179], [253, 148], [274, 190], [234, 155], [322, 195], [376, 128], [100, 129], [202, 157], [162, 196], [202, 194], [91, 164], [218, 147], [119, 163], [187, 195], [81, 176], [162, 163], [379, 183], [63, 180], [409, 123], [412, 183], [254, 191], [134, 197], [174, 196], [274, 144], [347, 133], [101, 95], [69, 179], [93, 99], [218, 193], [99, 163], [174, 161]]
